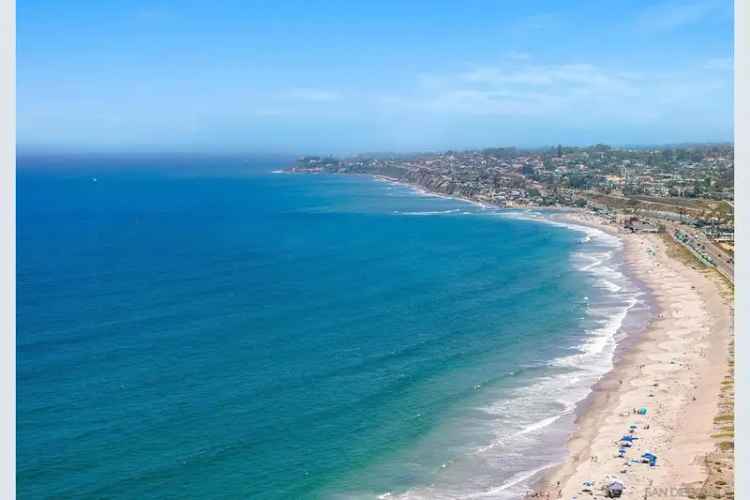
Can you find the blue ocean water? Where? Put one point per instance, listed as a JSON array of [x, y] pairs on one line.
[[211, 329]]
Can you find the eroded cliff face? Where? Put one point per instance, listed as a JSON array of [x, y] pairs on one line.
[[469, 184], [438, 183], [429, 180]]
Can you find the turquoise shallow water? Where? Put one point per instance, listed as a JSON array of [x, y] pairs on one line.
[[209, 329]]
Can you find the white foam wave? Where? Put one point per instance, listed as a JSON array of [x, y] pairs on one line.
[[612, 287], [419, 191], [528, 414], [541, 424], [516, 480], [429, 212]]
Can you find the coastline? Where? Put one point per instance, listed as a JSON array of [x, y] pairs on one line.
[[675, 366], [424, 191], [675, 369]]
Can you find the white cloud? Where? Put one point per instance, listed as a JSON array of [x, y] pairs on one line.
[[581, 93], [579, 76], [514, 98], [527, 90]]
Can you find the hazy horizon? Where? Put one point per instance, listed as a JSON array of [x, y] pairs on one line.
[[331, 78], [30, 153]]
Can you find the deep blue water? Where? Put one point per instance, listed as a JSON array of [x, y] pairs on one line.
[[210, 329]]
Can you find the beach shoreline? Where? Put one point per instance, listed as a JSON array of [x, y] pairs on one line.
[[684, 350], [674, 369]]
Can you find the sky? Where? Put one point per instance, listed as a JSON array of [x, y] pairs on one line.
[[341, 77]]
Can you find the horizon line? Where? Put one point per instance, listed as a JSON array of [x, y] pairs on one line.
[[22, 151]]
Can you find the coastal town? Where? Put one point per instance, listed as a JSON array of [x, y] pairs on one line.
[[686, 191], [674, 207]]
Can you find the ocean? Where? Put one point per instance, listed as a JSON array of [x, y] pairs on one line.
[[211, 328]]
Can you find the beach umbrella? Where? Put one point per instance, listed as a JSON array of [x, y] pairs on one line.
[[650, 457]]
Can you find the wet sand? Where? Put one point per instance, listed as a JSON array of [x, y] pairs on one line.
[[674, 370]]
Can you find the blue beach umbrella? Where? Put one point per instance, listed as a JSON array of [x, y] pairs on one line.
[[650, 457]]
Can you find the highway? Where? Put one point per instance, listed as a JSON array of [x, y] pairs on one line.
[[699, 242]]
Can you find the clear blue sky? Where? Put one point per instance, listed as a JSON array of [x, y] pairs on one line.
[[352, 76]]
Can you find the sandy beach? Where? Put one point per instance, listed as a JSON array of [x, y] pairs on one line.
[[679, 370]]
